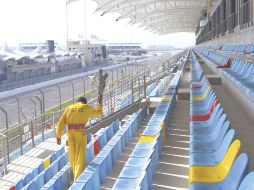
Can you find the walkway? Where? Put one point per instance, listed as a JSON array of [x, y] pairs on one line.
[[172, 172]]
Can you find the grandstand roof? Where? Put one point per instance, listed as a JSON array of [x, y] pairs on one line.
[[160, 16]]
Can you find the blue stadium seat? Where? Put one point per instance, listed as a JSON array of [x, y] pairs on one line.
[[213, 133], [213, 158], [232, 181], [248, 182], [201, 131], [214, 144], [131, 178]]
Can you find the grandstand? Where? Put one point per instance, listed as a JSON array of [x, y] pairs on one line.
[[182, 121]]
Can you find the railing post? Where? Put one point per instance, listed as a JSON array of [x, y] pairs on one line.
[[20, 127], [112, 77], [32, 133], [132, 91], [7, 134], [73, 95], [34, 103], [117, 75], [53, 121], [139, 94], [108, 103], [60, 97], [42, 102], [111, 103], [84, 85], [145, 87]]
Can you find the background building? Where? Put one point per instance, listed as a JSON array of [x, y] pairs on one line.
[[127, 48], [95, 53], [32, 60]]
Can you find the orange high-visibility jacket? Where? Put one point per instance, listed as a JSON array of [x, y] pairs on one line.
[[78, 113]]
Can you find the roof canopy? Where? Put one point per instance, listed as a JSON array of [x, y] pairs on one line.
[[160, 16]]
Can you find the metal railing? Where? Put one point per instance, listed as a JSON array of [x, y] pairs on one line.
[[217, 28], [245, 14], [17, 139], [223, 27], [213, 32], [231, 22]]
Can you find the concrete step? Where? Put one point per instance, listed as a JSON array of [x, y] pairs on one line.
[[183, 94], [214, 79]]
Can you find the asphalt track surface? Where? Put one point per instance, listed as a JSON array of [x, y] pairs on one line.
[[30, 105]]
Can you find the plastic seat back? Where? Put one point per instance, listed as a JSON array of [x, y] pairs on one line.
[[232, 181], [248, 182], [215, 174], [237, 173]]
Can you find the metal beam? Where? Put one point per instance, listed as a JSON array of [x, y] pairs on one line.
[[159, 16]]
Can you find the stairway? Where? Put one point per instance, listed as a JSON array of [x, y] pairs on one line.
[[172, 172]]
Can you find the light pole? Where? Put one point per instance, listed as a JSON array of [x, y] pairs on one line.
[[67, 26]]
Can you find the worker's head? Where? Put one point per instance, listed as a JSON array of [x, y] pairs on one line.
[[82, 99]]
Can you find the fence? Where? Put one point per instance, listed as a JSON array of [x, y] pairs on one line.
[[231, 22], [245, 14]]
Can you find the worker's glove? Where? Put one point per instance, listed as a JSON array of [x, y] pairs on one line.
[[102, 82], [58, 141]]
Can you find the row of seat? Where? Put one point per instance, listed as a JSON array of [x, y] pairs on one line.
[[43, 179], [95, 173], [140, 168], [101, 138], [158, 90], [219, 60], [240, 73], [29, 146], [59, 169], [215, 158], [175, 82], [176, 72], [239, 48], [34, 162]]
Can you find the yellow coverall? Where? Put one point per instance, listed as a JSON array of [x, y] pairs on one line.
[[77, 115]]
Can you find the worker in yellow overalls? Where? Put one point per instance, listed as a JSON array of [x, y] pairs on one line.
[[75, 117]]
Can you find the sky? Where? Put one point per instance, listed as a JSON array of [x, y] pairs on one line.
[[24, 21]]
